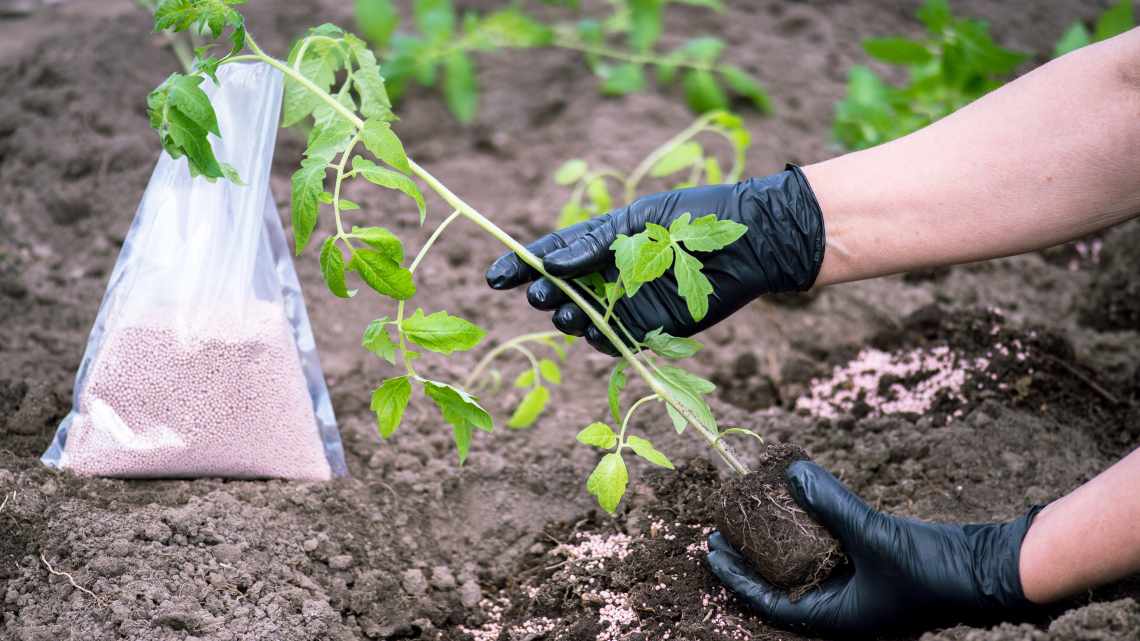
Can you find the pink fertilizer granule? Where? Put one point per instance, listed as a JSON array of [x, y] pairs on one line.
[[940, 370], [227, 398]]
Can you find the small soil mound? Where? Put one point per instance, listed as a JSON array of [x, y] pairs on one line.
[[759, 517]]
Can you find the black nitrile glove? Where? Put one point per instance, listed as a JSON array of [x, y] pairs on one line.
[[781, 251], [905, 574]]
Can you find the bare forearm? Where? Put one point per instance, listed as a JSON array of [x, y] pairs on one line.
[[1087, 538], [1049, 157]]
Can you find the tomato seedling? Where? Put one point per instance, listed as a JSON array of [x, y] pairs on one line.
[[356, 112]]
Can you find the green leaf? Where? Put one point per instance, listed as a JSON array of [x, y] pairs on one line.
[[644, 448], [331, 131], [179, 15], [186, 96], [671, 347], [531, 406], [681, 157], [935, 14], [381, 240], [550, 371], [703, 50], [435, 18], [389, 402], [608, 480], [645, 23], [461, 410], [377, 20], [570, 172], [714, 175], [623, 79], [703, 92], [186, 137], [1076, 36], [744, 84], [598, 435], [525, 379], [896, 50], [642, 258], [460, 89], [308, 185], [1115, 21], [692, 285], [706, 233], [679, 421], [389, 179], [617, 384], [441, 332], [332, 268], [599, 194], [687, 389], [347, 205], [369, 84], [378, 341], [382, 274], [319, 66], [379, 138]]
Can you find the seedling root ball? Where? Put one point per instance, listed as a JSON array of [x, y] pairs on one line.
[[759, 517]]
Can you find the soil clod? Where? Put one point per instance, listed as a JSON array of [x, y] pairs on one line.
[[759, 517]]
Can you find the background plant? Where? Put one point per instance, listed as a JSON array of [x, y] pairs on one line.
[[356, 112], [957, 63], [1114, 21], [439, 46]]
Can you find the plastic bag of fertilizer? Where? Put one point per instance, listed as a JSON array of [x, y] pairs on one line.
[[201, 361]]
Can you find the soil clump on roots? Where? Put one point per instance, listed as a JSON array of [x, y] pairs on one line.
[[759, 517]]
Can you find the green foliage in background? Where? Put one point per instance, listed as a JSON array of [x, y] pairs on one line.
[[1114, 21], [436, 49], [956, 63]]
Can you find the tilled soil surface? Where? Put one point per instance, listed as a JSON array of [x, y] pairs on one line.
[[509, 546]]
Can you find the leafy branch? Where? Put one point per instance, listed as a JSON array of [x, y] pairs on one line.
[[357, 112]]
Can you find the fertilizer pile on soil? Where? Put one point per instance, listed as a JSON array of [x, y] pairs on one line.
[[759, 517], [228, 400]]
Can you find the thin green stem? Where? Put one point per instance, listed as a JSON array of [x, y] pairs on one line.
[[403, 341], [533, 362], [638, 174], [628, 415], [431, 240], [487, 359], [564, 41], [340, 180]]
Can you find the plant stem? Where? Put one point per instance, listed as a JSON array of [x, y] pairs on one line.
[[469, 212], [340, 179], [564, 41], [636, 176], [628, 415], [411, 269], [431, 240], [491, 355]]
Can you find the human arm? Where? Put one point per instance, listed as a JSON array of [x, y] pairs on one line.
[[1047, 158], [1087, 538], [908, 574]]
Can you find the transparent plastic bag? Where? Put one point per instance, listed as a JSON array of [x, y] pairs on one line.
[[201, 361]]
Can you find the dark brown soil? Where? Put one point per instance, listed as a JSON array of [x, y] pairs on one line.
[[759, 517], [1114, 300], [412, 545]]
